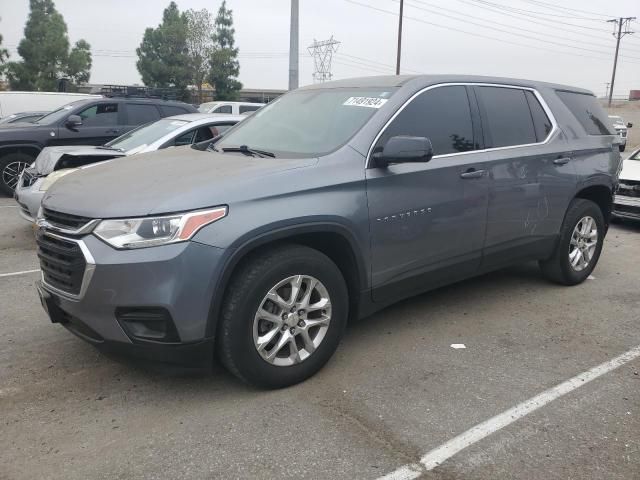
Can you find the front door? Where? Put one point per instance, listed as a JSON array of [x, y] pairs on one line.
[[427, 220], [100, 123]]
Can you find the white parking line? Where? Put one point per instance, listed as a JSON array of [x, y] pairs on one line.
[[8, 206], [447, 450], [18, 273]]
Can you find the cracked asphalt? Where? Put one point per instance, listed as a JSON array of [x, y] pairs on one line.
[[394, 390]]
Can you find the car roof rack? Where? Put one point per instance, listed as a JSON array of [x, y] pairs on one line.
[[136, 91]]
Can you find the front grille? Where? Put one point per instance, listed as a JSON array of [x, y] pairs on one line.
[[629, 189], [62, 263], [64, 220], [626, 209]]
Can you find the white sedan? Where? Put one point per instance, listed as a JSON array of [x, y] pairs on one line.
[[54, 162], [626, 203]]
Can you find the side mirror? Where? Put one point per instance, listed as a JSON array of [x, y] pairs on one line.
[[404, 149], [629, 125], [73, 122]]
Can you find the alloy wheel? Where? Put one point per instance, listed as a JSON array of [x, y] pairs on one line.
[[292, 320], [584, 241], [11, 173]]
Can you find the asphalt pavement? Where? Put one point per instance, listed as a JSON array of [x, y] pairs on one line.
[[394, 391]]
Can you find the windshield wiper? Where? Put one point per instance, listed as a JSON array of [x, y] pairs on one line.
[[247, 150], [104, 147]]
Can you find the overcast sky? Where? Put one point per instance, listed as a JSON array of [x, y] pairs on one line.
[[456, 36]]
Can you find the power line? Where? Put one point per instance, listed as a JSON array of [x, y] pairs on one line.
[[538, 39], [501, 40], [542, 14], [493, 22], [560, 8]]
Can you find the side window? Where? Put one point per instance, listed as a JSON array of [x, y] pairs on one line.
[[248, 108], [541, 121], [102, 114], [216, 130], [223, 109], [170, 110], [139, 114], [507, 116], [588, 112], [441, 114], [184, 139]]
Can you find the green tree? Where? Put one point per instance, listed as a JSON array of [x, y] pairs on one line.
[[79, 63], [4, 54], [224, 59], [45, 51], [199, 45], [162, 55]]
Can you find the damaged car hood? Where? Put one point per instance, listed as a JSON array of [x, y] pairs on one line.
[[47, 160]]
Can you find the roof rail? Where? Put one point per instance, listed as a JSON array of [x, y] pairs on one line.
[[135, 91]]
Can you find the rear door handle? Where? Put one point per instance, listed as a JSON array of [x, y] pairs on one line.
[[472, 173], [562, 161], [113, 130]]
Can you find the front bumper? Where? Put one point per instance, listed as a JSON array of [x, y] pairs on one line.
[[29, 199], [178, 278], [626, 207]]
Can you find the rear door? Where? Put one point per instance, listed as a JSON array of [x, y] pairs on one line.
[[532, 176], [100, 123], [139, 114], [427, 220]]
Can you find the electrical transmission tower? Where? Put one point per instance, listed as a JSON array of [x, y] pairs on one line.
[[322, 53], [620, 29]]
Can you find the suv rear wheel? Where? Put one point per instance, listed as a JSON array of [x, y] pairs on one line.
[[579, 246], [11, 166], [284, 315]]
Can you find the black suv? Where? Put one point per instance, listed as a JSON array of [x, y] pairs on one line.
[[85, 122]]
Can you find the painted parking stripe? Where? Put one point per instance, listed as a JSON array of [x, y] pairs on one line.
[[447, 450], [18, 273], [8, 206]]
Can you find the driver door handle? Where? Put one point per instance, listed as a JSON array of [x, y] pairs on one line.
[[472, 173], [562, 161]]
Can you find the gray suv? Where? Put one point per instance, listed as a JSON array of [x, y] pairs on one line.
[[329, 203]]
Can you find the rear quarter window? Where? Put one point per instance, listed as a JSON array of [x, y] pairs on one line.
[[170, 110], [587, 111]]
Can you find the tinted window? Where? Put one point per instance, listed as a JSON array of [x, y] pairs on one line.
[[506, 116], [218, 129], [443, 115], [184, 139], [249, 108], [588, 112], [103, 114], [541, 122], [223, 109], [169, 110], [139, 113]]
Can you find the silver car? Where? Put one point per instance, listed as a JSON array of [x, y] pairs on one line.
[[55, 162]]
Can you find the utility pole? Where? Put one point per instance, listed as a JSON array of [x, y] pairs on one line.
[[322, 53], [293, 46], [399, 54], [622, 22]]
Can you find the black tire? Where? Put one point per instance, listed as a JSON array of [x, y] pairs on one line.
[[255, 277], [558, 268], [6, 163], [622, 147]]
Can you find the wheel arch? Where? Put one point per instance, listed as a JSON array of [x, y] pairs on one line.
[[28, 148], [601, 195], [333, 239]]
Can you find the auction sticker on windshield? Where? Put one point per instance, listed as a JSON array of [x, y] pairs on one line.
[[371, 102]]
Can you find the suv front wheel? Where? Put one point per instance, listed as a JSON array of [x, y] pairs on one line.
[[284, 315], [11, 166], [579, 245]]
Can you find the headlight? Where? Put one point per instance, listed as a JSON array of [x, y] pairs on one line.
[[151, 231], [54, 176]]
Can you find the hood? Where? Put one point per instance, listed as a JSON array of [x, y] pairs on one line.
[[166, 181], [48, 158], [630, 170]]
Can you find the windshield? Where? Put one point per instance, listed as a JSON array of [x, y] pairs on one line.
[[635, 156], [58, 114], [145, 134], [205, 107], [308, 122]]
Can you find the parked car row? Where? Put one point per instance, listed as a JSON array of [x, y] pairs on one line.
[[626, 204], [621, 130], [329, 203], [90, 121]]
